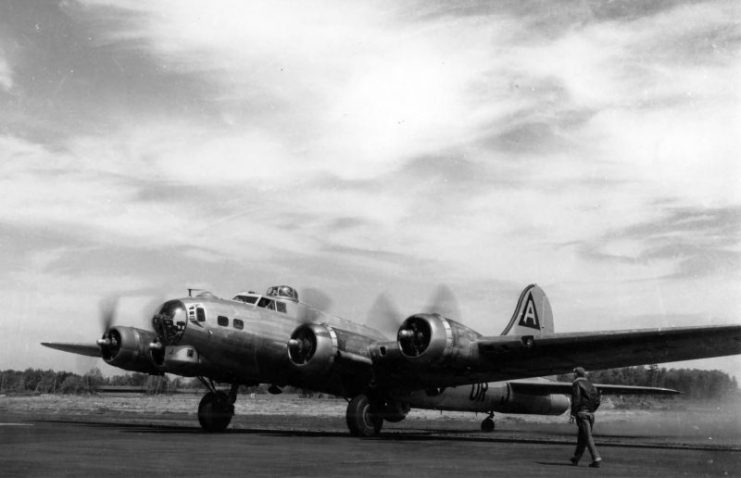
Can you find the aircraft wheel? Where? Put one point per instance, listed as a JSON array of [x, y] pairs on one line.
[[361, 420], [487, 425], [215, 412]]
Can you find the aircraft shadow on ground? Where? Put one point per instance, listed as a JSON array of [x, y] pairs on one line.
[[394, 435]]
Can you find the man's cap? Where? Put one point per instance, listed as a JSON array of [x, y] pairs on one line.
[[580, 372]]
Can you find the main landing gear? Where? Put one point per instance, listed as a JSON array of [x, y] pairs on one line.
[[217, 407], [366, 414], [363, 419], [487, 425]]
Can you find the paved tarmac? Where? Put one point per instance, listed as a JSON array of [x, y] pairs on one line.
[[161, 445]]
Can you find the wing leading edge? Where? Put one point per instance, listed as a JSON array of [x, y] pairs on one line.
[[523, 357], [565, 388], [91, 350]]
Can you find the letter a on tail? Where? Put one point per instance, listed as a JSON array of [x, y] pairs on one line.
[[533, 315]]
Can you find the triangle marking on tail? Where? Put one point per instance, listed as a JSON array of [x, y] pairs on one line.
[[529, 316]]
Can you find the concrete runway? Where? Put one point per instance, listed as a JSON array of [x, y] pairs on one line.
[[158, 445]]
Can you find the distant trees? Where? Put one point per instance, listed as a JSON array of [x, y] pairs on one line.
[[693, 383], [49, 381]]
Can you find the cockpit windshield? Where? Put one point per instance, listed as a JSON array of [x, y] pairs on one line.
[[274, 299], [266, 303], [248, 299]]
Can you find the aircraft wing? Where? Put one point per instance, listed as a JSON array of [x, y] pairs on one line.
[[565, 388], [513, 357], [91, 350]]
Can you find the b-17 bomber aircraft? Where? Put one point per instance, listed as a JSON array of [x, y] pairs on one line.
[[433, 362]]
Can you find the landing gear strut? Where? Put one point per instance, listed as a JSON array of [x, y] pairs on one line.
[[216, 408], [362, 418], [487, 425]]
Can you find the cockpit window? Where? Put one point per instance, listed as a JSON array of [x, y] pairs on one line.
[[281, 307], [266, 303], [248, 299]]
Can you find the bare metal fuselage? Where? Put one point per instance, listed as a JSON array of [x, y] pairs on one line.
[[235, 341], [487, 397]]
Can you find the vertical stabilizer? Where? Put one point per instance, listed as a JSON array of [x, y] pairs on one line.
[[533, 315]]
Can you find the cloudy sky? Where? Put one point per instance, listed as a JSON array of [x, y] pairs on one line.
[[373, 147]]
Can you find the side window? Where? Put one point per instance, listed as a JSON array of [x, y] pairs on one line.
[[238, 324], [200, 314], [281, 307], [223, 321]]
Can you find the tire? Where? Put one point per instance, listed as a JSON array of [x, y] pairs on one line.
[[487, 425], [361, 420], [215, 412]]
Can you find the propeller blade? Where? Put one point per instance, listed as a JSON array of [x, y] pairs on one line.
[[108, 312], [384, 317], [152, 307], [316, 299], [315, 304], [444, 303]]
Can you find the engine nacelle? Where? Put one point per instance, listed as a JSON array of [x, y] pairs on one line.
[[432, 339], [314, 348], [129, 348]]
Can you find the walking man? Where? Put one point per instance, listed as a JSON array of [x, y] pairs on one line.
[[585, 399]]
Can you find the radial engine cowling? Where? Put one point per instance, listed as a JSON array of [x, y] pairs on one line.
[[434, 339], [314, 348], [128, 348]]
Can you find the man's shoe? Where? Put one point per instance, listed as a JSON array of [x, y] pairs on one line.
[[596, 463], [574, 461]]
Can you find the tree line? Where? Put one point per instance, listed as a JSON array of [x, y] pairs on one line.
[[35, 381], [50, 381], [693, 383]]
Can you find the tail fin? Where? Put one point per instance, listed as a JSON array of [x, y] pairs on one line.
[[533, 315]]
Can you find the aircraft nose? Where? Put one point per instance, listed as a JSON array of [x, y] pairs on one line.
[[170, 322]]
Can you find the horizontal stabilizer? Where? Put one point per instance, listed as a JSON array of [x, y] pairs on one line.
[[565, 388], [91, 350]]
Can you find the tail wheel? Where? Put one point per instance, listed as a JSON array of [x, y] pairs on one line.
[[361, 419], [215, 412], [487, 426]]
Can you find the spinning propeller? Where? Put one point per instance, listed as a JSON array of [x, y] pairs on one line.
[[385, 317], [111, 340], [303, 343], [315, 302]]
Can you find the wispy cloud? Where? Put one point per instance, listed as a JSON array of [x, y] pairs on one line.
[[694, 243], [6, 75]]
